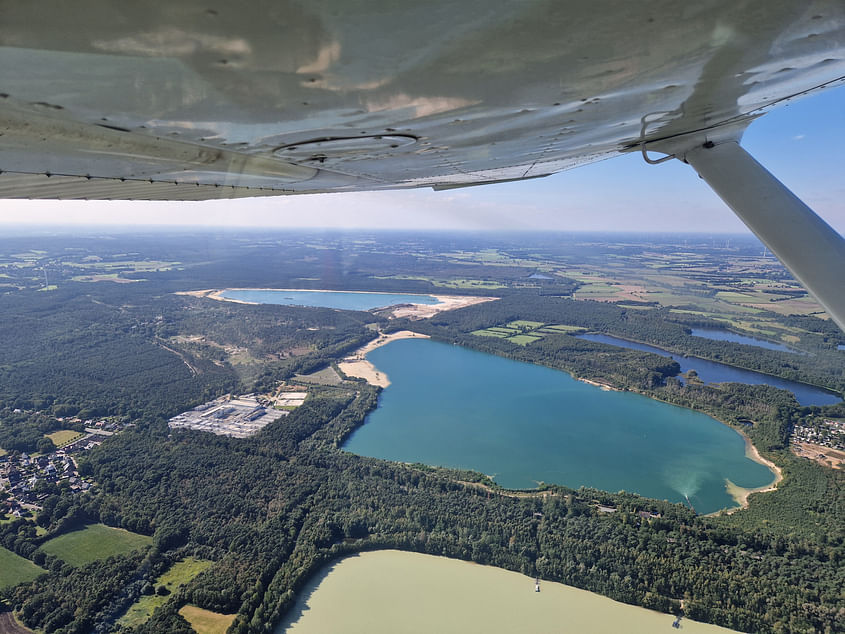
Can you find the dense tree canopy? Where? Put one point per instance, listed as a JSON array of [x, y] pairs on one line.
[[270, 510]]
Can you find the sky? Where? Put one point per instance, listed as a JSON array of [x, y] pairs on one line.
[[802, 143]]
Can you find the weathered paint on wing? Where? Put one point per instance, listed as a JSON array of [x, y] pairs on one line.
[[216, 99]]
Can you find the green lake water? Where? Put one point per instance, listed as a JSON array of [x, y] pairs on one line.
[[524, 424], [391, 592]]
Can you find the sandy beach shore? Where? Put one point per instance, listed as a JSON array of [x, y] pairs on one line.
[[447, 302], [740, 494], [213, 293], [604, 386], [357, 365]]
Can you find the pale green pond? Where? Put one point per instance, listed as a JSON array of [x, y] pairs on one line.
[[394, 592]]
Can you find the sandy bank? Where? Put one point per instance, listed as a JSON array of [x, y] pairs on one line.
[[357, 365], [202, 293], [606, 387], [212, 293], [409, 310], [740, 494], [447, 302]]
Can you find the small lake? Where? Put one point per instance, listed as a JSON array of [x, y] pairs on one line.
[[523, 423], [388, 591], [715, 372], [345, 300], [727, 335]]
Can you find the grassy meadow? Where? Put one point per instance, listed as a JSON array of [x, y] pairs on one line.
[[94, 542], [179, 574], [63, 436], [206, 622], [14, 569]]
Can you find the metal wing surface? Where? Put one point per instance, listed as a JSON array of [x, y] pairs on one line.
[[200, 100]]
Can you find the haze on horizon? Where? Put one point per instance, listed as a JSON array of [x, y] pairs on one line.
[[803, 144]]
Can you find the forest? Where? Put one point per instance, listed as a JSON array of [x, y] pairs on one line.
[[659, 327], [271, 510]]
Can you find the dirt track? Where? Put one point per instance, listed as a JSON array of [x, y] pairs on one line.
[[8, 625]]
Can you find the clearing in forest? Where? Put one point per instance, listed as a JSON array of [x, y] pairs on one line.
[[94, 542], [206, 622], [178, 575], [524, 331]]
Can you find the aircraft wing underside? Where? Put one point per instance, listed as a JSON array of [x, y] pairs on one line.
[[193, 101]]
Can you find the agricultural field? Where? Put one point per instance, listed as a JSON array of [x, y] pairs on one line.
[[94, 542], [525, 324], [63, 436], [107, 277], [326, 376], [523, 340], [128, 266], [747, 292], [179, 574], [561, 328], [206, 622], [523, 332], [490, 257], [14, 569]]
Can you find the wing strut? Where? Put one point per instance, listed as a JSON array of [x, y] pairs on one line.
[[810, 248]]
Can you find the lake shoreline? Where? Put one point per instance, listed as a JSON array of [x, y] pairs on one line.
[[511, 487], [672, 354], [741, 494], [607, 387], [410, 310], [358, 366], [424, 311], [376, 590]]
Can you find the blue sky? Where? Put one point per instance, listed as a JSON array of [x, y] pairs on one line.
[[803, 144]]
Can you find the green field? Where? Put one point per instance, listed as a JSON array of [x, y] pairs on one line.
[[522, 332], [94, 542], [524, 323], [465, 283], [597, 289], [326, 376], [14, 569], [562, 328], [135, 266], [733, 296], [206, 622], [63, 436], [489, 333], [524, 340], [179, 574]]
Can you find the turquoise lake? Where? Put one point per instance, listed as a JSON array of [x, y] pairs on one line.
[[346, 300], [523, 424]]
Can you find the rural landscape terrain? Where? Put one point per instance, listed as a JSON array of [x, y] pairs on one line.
[[113, 518]]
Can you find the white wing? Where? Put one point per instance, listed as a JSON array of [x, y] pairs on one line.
[[141, 99], [197, 100]]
